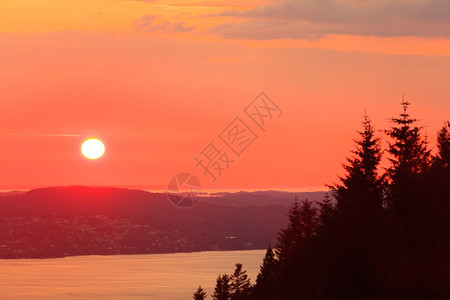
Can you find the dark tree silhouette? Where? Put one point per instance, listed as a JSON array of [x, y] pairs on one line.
[[443, 144], [359, 199], [361, 189], [240, 283], [290, 237], [292, 250], [408, 149], [222, 288], [302, 224], [409, 224], [386, 236], [308, 220], [200, 294], [265, 281], [326, 210], [437, 214]]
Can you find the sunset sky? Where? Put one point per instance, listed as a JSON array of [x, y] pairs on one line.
[[159, 80]]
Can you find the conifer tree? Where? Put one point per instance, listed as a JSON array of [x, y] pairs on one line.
[[436, 213], [222, 288], [290, 237], [266, 281], [326, 210], [410, 217], [408, 149], [441, 168], [302, 226], [361, 189], [240, 283], [308, 220], [443, 145], [358, 212], [200, 294], [290, 250], [439, 176]]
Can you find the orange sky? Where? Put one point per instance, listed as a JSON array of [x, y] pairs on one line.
[[158, 80]]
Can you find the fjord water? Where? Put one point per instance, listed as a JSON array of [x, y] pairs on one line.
[[150, 276]]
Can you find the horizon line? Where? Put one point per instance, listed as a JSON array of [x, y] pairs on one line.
[[160, 189]]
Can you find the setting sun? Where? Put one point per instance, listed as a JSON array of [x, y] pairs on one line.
[[92, 148]]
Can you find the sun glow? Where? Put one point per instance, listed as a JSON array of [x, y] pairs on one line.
[[92, 148]]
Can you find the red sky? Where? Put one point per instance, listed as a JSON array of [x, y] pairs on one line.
[[157, 81]]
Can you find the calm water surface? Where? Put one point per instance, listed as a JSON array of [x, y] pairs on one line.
[[152, 276]]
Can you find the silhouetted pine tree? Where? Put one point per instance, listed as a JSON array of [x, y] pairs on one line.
[[441, 181], [442, 159], [324, 251], [222, 288], [293, 251], [409, 225], [410, 158], [361, 189], [240, 284], [441, 163], [326, 210], [410, 155], [308, 220], [290, 238], [265, 286], [302, 225], [437, 214], [358, 211], [200, 294]]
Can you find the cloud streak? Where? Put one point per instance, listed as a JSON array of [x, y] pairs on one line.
[[136, 1], [150, 23], [310, 19], [43, 134]]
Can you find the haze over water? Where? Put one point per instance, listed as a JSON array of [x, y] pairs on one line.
[[151, 276]]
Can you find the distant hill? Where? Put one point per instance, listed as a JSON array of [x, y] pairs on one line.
[[10, 193], [61, 221], [261, 198], [79, 220]]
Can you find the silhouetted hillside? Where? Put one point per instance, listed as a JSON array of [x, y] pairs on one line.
[[11, 193], [76, 220], [260, 198]]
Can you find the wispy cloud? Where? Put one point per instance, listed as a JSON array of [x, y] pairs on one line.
[[151, 23], [136, 1], [208, 4], [42, 134], [306, 19]]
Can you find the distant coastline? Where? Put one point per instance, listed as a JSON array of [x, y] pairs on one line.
[[79, 220]]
